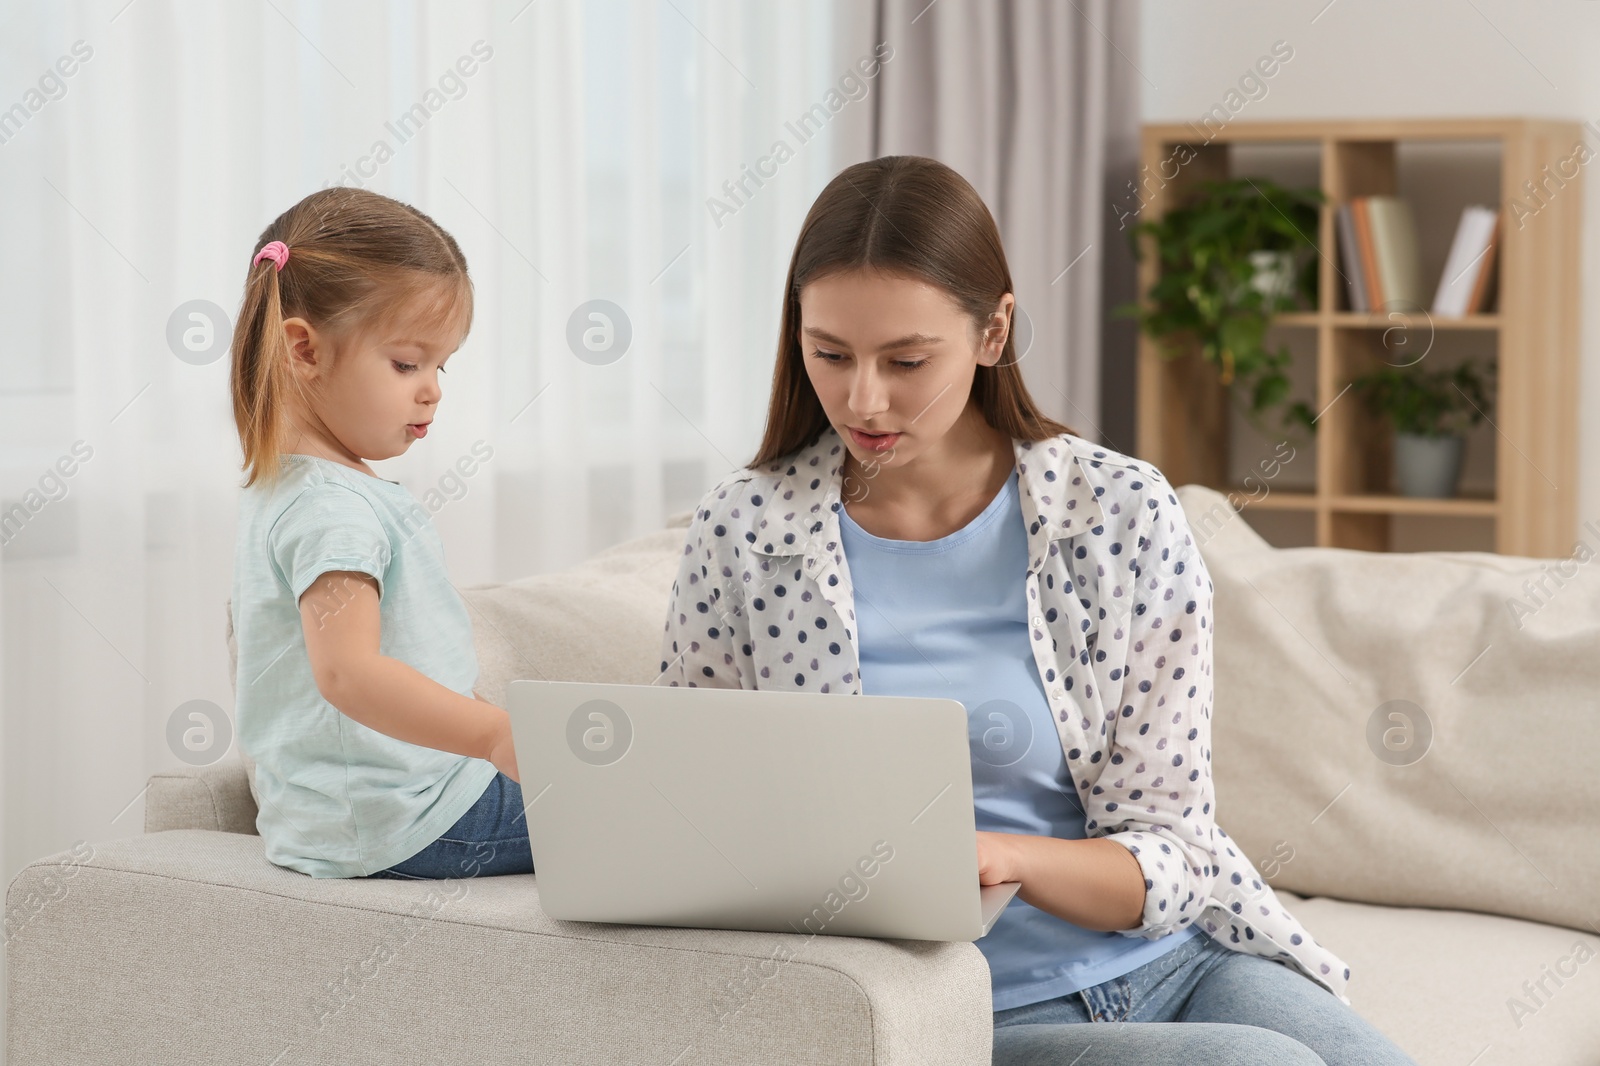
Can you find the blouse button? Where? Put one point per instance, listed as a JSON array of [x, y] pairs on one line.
[[1038, 621]]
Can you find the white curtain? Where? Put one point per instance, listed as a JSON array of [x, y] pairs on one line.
[[573, 163]]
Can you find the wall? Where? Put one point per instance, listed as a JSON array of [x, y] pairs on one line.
[[1376, 59]]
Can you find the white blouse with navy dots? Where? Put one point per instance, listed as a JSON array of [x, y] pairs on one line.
[[1120, 625]]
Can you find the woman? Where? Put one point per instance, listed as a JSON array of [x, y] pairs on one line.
[[913, 526]]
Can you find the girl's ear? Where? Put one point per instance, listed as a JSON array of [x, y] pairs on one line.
[[306, 356]]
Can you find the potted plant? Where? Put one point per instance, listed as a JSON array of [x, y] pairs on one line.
[[1238, 253], [1431, 411]]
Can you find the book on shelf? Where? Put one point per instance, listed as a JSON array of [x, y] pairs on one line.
[[1355, 275], [1378, 245], [1394, 241], [1369, 261], [1467, 284]]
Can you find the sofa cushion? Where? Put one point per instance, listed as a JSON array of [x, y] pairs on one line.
[[600, 620], [1454, 988], [1314, 776], [215, 796]]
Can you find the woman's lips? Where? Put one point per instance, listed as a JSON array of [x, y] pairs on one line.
[[877, 444]]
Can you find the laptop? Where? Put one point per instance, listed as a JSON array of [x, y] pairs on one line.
[[786, 812]]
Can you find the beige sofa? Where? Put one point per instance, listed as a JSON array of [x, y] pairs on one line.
[[1462, 887]]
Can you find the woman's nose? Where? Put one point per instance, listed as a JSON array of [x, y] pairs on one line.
[[868, 394]]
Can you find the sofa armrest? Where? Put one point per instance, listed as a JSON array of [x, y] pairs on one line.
[[213, 797], [190, 947]]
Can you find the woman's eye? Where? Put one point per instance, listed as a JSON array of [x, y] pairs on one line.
[[834, 357]]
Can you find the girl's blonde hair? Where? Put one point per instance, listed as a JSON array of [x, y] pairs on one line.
[[356, 258]]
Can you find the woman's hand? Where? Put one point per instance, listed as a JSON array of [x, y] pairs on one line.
[[1093, 883], [1001, 857]]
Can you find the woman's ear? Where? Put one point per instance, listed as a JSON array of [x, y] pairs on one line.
[[995, 331]]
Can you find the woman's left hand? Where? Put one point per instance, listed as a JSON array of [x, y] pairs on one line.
[[1001, 857]]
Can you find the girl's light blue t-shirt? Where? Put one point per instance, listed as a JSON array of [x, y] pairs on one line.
[[338, 799], [948, 618]]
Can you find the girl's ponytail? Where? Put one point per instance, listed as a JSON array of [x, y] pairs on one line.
[[354, 257], [261, 370]]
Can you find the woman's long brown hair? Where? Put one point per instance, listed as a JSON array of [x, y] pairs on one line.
[[356, 258], [915, 217]]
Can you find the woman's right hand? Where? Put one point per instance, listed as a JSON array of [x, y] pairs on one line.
[[501, 751]]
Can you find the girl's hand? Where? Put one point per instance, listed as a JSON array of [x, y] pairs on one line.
[[502, 754], [1001, 857]]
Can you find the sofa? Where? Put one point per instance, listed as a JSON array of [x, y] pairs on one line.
[[1407, 756]]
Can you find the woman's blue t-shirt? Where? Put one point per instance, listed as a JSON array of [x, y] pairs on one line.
[[948, 618]]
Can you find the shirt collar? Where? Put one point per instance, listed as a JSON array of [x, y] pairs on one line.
[[1052, 476]]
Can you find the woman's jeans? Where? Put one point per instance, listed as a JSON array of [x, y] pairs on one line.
[[1199, 1003], [490, 839]]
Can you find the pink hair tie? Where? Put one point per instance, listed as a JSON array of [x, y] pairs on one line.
[[276, 251]]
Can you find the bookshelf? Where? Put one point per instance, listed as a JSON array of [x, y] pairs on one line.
[[1526, 504]]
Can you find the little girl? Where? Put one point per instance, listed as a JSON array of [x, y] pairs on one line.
[[374, 758]]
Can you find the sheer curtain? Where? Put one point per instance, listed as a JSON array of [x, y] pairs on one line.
[[580, 150]]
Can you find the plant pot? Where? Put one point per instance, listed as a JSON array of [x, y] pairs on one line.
[[1427, 466], [1274, 274]]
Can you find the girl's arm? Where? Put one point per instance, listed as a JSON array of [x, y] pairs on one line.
[[339, 616]]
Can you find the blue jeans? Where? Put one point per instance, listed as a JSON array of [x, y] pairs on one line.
[[489, 840], [1199, 1003]]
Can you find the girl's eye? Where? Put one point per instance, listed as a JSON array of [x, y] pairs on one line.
[[405, 368]]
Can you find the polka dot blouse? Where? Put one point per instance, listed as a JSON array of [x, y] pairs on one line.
[[1121, 633]]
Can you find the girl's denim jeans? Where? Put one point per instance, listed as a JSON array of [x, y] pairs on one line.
[[1202, 1002], [490, 839]]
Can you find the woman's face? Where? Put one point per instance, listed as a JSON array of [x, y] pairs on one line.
[[893, 355]]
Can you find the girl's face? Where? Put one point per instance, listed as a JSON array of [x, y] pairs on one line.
[[382, 388], [894, 355]]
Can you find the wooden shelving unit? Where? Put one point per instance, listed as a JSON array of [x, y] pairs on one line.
[[1183, 419]]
